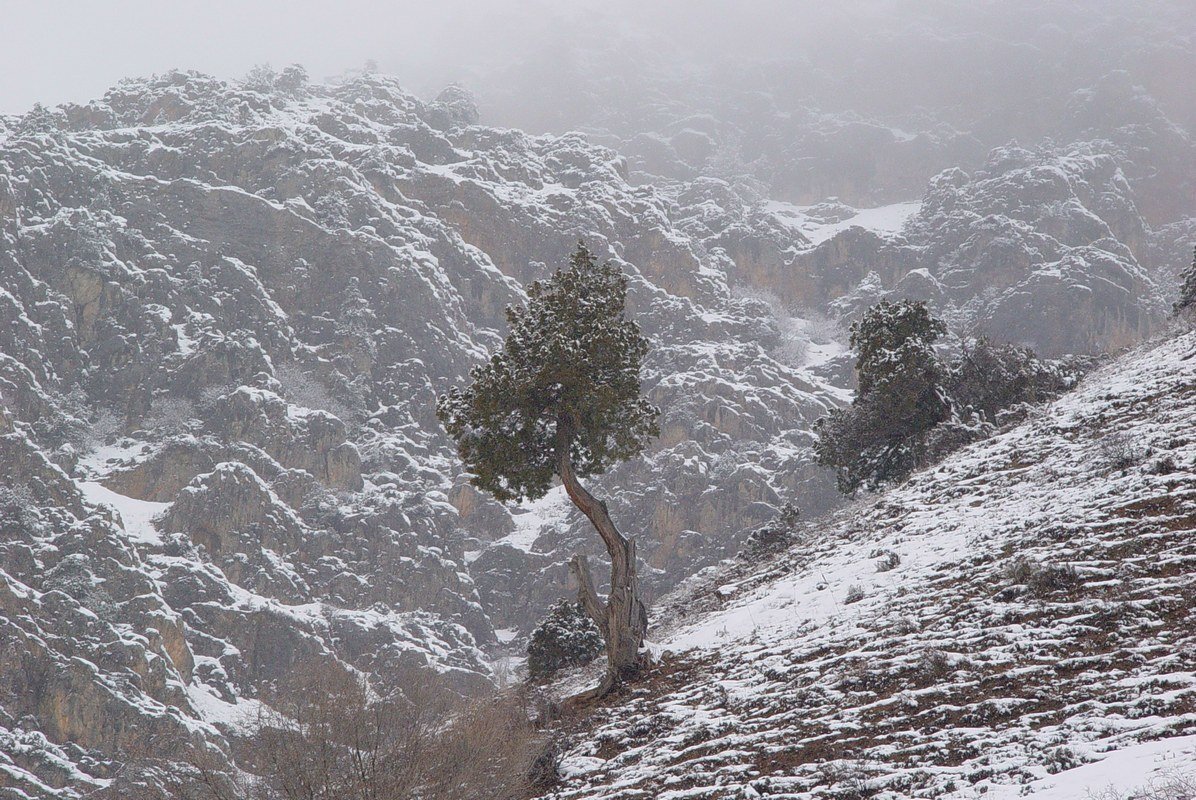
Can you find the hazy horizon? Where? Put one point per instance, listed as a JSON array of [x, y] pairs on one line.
[[96, 45]]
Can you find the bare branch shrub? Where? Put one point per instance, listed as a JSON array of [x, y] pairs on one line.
[[331, 737], [1168, 787], [1119, 451], [822, 328], [104, 428], [305, 389], [170, 415]]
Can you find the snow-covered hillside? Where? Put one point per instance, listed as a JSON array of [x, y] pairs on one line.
[[1020, 620], [227, 308]]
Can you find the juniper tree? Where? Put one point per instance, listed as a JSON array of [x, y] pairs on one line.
[[567, 637], [899, 398], [1187, 291], [562, 399]]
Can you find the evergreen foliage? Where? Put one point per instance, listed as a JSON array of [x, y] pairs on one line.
[[562, 399], [900, 397], [567, 637], [912, 408], [1187, 290], [992, 380], [570, 364]]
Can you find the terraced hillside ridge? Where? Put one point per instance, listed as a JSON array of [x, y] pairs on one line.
[[1018, 621]]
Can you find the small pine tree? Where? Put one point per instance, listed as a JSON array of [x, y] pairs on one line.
[[565, 638], [1187, 291]]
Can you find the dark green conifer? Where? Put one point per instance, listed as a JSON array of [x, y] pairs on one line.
[[562, 399]]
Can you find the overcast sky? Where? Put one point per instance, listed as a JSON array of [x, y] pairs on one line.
[[56, 51]]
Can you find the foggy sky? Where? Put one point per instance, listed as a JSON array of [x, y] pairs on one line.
[[56, 51]]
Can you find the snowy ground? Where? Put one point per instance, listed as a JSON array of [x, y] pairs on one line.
[[962, 671]]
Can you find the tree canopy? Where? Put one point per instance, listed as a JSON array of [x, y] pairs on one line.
[[567, 376], [562, 398], [898, 399], [912, 407]]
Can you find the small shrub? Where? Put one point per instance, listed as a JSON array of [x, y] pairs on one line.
[[934, 664], [774, 536], [1165, 465], [1041, 579], [1119, 451], [888, 560], [854, 595], [18, 510], [1061, 759], [305, 389], [566, 638], [104, 428], [170, 415]]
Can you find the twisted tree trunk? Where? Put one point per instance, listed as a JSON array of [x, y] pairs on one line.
[[623, 618]]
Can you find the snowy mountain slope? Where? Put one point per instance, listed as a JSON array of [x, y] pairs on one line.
[[226, 310], [1021, 610], [1060, 180]]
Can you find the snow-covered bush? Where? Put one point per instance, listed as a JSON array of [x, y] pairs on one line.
[[913, 408], [261, 78], [1164, 465], [881, 437], [1061, 759], [997, 381], [888, 560], [18, 511], [104, 427], [305, 389], [933, 665], [565, 638], [292, 80], [1041, 579], [170, 415], [773, 536]]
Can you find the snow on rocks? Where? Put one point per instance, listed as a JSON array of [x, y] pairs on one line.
[[822, 222]]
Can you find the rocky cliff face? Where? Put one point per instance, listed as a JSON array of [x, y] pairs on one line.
[[226, 311]]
